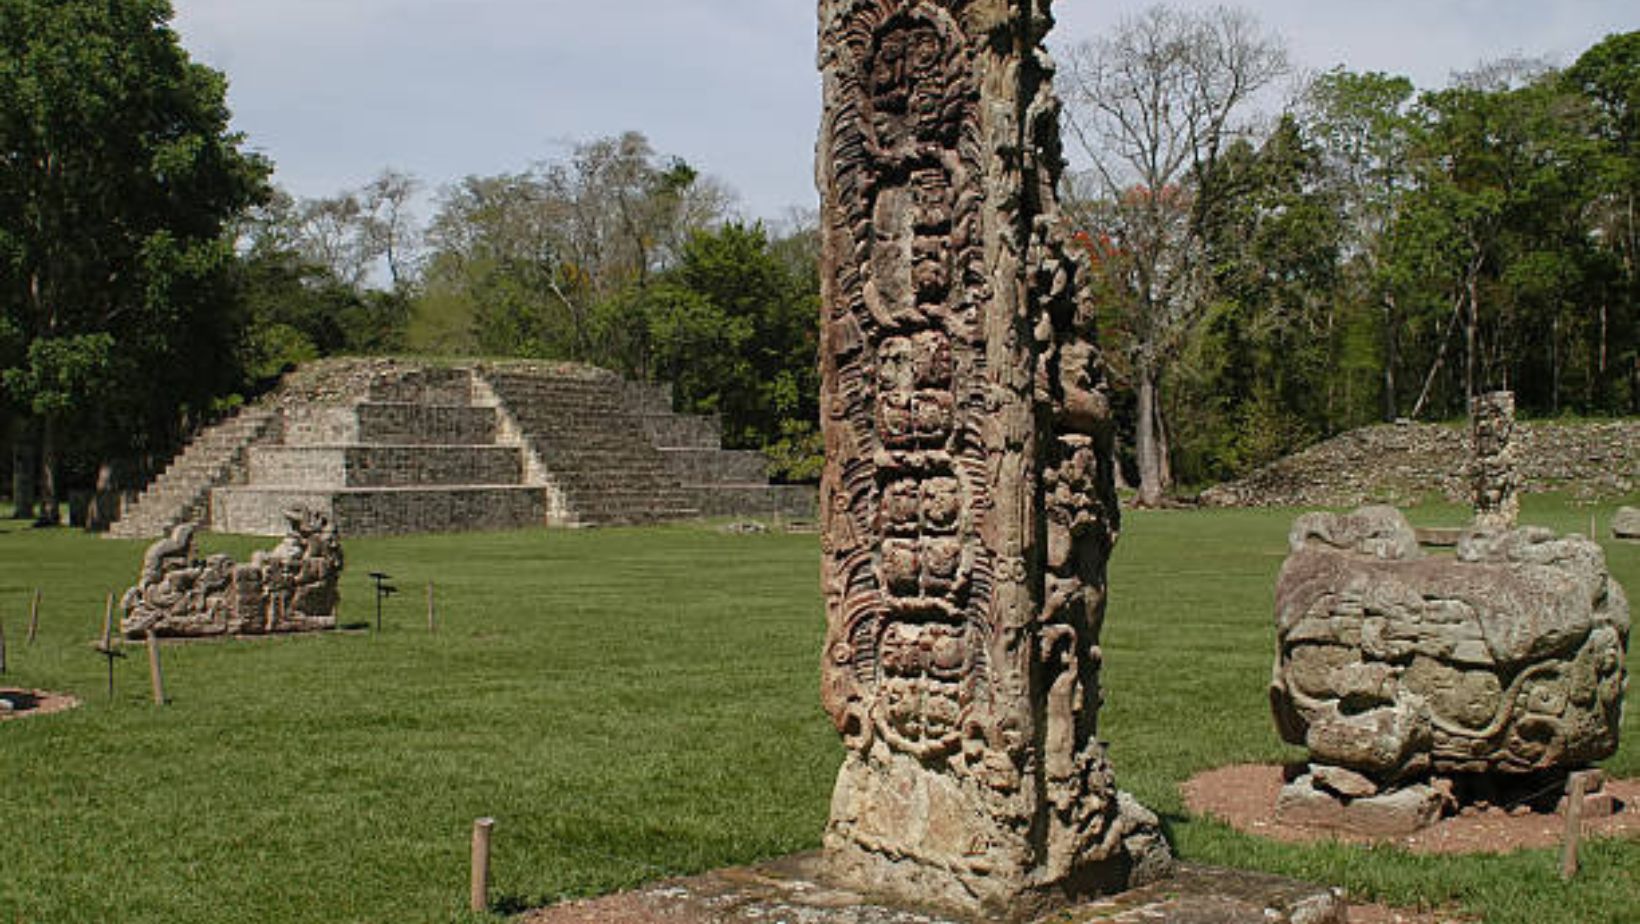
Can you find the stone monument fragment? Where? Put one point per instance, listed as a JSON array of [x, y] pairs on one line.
[[1493, 477], [292, 588], [1417, 682], [968, 497], [1626, 523]]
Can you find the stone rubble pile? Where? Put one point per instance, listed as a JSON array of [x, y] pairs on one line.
[[1404, 463]]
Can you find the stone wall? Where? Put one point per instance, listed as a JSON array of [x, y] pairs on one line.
[[384, 512], [385, 466], [779, 501], [1406, 462]]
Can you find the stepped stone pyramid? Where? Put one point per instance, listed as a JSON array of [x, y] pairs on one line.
[[387, 447]]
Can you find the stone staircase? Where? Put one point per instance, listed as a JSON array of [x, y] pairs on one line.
[[182, 492], [388, 447], [718, 482], [594, 450], [413, 453]]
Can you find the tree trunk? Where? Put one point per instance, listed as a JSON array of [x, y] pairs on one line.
[[24, 468], [1471, 333], [1147, 445], [1554, 366], [1392, 358], [50, 509]]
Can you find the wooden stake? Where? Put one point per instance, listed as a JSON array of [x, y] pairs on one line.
[[481, 864], [34, 617], [432, 612], [108, 641], [1577, 789], [1594, 527], [2, 644], [155, 675]]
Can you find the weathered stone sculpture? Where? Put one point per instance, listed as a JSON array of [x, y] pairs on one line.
[[1626, 523], [1413, 680], [1492, 474], [292, 588], [968, 495]]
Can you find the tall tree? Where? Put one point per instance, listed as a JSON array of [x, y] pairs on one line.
[[530, 255], [1362, 126], [1153, 106], [118, 173], [1608, 77]]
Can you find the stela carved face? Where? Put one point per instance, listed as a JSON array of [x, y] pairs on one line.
[[906, 77]]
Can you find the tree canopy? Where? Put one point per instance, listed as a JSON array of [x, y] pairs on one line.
[[118, 175]]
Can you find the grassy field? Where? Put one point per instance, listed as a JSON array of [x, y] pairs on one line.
[[628, 704]]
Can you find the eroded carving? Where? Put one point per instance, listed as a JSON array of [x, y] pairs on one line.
[[1493, 477], [292, 588], [968, 496], [1414, 680]]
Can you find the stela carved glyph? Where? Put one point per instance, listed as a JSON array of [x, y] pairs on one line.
[[968, 498]]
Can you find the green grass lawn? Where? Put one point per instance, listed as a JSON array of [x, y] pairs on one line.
[[627, 703]]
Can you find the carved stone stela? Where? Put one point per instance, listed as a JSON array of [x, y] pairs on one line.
[[968, 498], [1493, 477]]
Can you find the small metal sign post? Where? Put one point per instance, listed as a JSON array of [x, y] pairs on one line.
[[383, 591], [105, 646]]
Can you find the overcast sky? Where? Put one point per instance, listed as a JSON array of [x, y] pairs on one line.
[[335, 90]]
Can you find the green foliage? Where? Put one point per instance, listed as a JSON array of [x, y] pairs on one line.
[[629, 704], [734, 328], [1378, 253], [118, 174]]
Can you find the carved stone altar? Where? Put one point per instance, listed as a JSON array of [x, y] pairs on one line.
[[1419, 682], [292, 588], [968, 496]]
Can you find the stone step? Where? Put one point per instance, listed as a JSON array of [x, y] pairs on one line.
[[383, 511], [181, 492], [385, 466], [709, 466], [391, 425], [789, 501]]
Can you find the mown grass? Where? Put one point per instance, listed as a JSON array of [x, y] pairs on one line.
[[627, 704]]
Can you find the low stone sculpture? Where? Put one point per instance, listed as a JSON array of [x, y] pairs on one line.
[[1626, 523], [1418, 682], [292, 588]]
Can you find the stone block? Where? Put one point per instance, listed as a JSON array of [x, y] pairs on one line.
[[1626, 523]]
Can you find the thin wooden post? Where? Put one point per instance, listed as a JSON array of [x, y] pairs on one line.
[[1594, 527], [432, 611], [155, 675], [2, 643], [1577, 790], [34, 617], [108, 641], [480, 898]]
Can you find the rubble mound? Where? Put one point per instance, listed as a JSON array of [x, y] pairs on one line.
[[1403, 463]]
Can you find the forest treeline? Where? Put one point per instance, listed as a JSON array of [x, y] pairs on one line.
[[1278, 257]]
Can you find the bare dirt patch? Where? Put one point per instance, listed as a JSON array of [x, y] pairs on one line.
[[1245, 798], [23, 704]]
